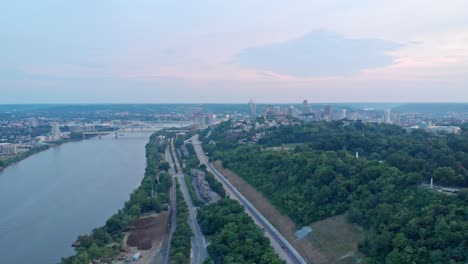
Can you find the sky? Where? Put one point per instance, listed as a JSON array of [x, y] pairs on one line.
[[152, 51]]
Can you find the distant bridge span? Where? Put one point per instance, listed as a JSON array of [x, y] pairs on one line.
[[141, 127], [150, 127]]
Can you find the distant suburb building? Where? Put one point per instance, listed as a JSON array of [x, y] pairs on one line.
[[8, 149], [446, 129], [435, 129]]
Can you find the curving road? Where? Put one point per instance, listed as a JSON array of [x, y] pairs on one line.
[[281, 246]]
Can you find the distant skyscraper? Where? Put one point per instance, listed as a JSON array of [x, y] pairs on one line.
[[277, 110], [197, 115], [387, 116], [209, 119], [343, 114], [305, 107], [252, 110], [56, 134], [328, 113], [292, 111], [395, 118]]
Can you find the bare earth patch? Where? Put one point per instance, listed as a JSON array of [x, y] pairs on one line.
[[146, 237], [148, 231]]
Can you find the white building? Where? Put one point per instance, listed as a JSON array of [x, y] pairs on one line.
[[343, 114], [388, 117], [445, 129], [8, 149]]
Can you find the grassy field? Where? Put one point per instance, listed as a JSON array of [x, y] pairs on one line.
[[337, 239], [333, 240]]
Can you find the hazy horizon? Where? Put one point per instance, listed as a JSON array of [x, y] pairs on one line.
[[233, 103], [198, 52]]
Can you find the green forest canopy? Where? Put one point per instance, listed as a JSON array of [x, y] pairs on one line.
[[379, 191]]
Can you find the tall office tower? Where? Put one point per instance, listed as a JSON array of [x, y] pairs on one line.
[[209, 119], [290, 111], [197, 115], [343, 114], [395, 118], [305, 107], [56, 135], [277, 110], [328, 113], [387, 116], [252, 110]]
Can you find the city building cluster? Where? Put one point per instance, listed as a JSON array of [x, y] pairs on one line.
[[446, 122], [24, 130], [320, 112]]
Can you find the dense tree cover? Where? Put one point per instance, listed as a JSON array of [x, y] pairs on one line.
[[191, 161], [180, 243], [104, 242], [219, 136], [164, 166], [306, 185], [405, 223], [179, 141], [234, 236], [416, 151]]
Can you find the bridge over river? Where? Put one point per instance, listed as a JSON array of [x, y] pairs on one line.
[[144, 127]]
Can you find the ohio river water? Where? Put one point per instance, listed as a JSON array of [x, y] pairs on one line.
[[50, 198]]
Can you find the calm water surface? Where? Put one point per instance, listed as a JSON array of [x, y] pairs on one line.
[[50, 198]]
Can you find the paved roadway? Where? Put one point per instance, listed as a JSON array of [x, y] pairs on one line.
[[166, 247], [281, 246], [199, 252]]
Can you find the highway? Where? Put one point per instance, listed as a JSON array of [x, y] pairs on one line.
[[167, 244], [199, 252], [281, 246]]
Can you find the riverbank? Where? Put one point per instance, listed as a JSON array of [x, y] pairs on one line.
[[105, 243], [10, 160], [65, 191]]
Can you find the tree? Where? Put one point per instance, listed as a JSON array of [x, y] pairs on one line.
[[407, 222], [443, 175], [101, 237], [164, 166], [413, 178], [135, 210], [393, 257]]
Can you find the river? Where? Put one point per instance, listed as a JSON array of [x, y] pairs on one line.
[[50, 198]]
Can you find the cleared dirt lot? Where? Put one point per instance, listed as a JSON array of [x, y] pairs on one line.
[[148, 231], [147, 236], [332, 241]]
